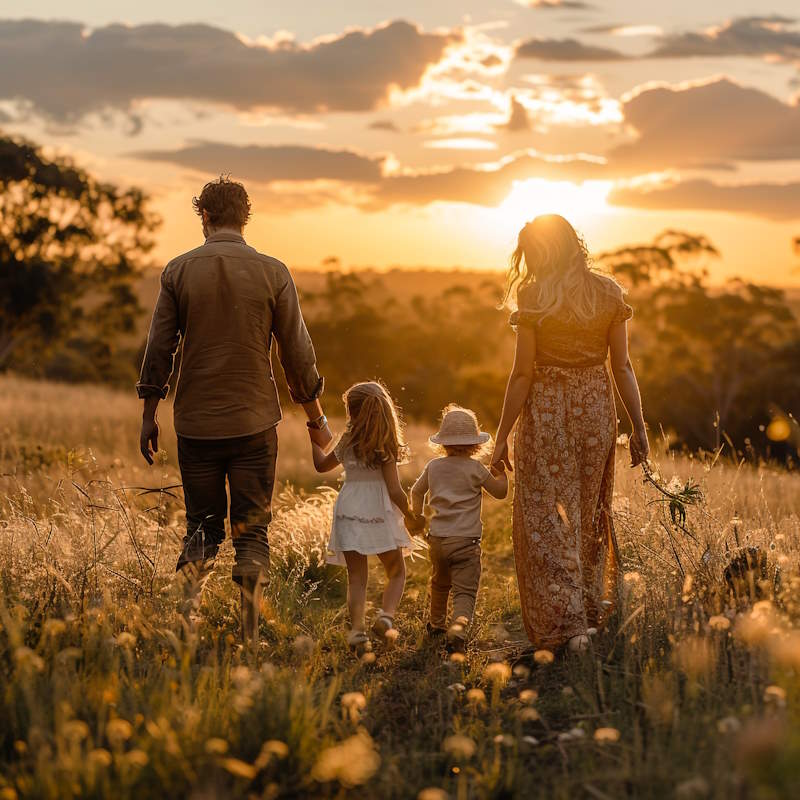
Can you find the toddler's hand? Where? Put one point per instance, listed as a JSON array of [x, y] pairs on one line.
[[415, 523]]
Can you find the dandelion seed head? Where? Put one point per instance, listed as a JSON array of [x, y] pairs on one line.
[[606, 735], [476, 696], [459, 746], [497, 672], [543, 657]]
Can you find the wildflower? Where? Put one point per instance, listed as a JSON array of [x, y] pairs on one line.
[[528, 696], [433, 793], [543, 657], [100, 757], [728, 725], [719, 623], [54, 627], [632, 577], [504, 739], [118, 731], [126, 640], [567, 691], [391, 635], [532, 741], [606, 735], [459, 746], [775, 695], [368, 658], [353, 703], [241, 769], [497, 672], [351, 763], [216, 747], [476, 697], [528, 714], [521, 671], [456, 688], [457, 658], [75, 729], [136, 758]]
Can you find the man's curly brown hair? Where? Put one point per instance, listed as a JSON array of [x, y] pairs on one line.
[[226, 203]]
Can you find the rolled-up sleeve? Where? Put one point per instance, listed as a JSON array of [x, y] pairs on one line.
[[162, 344], [295, 349]]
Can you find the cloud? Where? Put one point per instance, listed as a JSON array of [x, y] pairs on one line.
[[566, 50], [777, 201], [270, 163], [517, 118], [486, 187], [625, 30], [701, 124], [66, 72], [574, 5], [383, 125], [744, 36]]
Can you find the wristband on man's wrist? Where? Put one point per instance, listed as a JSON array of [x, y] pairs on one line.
[[317, 424]]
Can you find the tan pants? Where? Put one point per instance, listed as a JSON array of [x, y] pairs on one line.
[[456, 564]]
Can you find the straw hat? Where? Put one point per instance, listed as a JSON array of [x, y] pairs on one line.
[[459, 427]]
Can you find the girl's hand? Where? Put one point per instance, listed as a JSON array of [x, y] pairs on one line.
[[639, 446], [415, 523], [500, 457]]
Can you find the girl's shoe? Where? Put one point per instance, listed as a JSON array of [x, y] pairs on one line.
[[359, 642], [383, 623]]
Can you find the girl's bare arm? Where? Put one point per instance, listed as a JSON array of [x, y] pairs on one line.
[[517, 390], [323, 462], [628, 388], [396, 493]]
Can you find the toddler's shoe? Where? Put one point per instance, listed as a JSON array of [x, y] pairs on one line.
[[433, 631], [457, 635]]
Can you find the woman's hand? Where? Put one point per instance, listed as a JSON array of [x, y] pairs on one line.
[[639, 446], [501, 457]]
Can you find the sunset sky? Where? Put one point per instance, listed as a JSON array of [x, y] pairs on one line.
[[426, 133]]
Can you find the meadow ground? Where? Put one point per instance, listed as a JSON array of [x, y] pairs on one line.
[[689, 693]]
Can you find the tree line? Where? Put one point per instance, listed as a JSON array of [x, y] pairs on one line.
[[718, 366]]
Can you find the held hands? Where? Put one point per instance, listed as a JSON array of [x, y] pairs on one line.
[[639, 446], [321, 437], [415, 523], [501, 460]]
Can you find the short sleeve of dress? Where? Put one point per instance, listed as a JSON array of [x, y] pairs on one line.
[[622, 311], [526, 319]]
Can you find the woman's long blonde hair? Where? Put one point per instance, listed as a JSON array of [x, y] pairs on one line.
[[373, 429], [552, 255]]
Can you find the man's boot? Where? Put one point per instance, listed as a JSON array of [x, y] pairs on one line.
[[251, 591]]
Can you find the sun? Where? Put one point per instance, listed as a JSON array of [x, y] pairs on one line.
[[575, 201]]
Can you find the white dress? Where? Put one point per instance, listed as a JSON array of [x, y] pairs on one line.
[[364, 517]]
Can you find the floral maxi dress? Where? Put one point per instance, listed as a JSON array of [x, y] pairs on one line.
[[564, 545]]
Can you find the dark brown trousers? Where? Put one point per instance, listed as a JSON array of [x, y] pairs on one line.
[[248, 465]]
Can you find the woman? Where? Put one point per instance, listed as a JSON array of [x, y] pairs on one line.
[[568, 319]]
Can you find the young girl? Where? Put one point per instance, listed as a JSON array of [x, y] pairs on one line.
[[369, 511], [454, 484]]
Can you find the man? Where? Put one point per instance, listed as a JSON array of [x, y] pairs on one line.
[[226, 302]]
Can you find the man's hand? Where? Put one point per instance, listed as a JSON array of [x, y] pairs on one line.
[[148, 439], [321, 437], [415, 523]]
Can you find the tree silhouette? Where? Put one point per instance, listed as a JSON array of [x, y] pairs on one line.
[[71, 249]]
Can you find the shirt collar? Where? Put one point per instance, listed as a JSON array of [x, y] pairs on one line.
[[225, 236]]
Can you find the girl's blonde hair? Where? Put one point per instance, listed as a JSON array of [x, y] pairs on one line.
[[551, 255], [373, 430]]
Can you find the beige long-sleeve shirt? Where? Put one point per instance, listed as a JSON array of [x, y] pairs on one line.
[[226, 302]]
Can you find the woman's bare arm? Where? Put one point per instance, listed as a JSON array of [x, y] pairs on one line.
[[517, 390], [628, 388]]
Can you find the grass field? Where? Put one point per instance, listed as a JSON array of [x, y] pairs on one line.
[[690, 693]]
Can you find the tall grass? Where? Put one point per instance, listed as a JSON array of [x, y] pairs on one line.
[[106, 692]]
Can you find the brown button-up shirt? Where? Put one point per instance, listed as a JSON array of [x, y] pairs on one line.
[[226, 302]]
